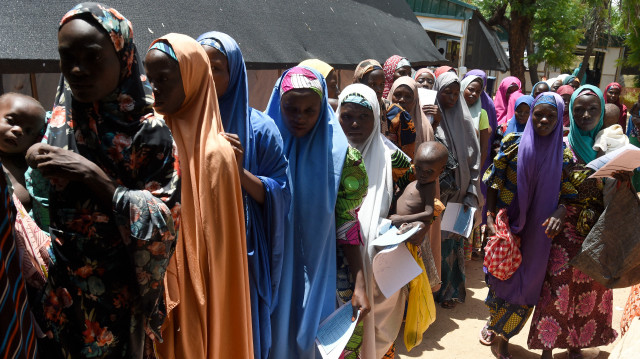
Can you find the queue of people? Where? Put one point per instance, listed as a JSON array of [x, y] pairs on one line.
[[152, 213]]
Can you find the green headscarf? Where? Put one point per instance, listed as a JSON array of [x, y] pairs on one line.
[[582, 141]]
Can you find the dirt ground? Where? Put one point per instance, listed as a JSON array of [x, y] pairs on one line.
[[455, 332]]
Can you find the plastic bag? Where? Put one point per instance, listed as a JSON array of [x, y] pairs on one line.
[[502, 252], [421, 309], [610, 253]]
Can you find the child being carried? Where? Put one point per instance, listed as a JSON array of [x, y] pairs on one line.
[[417, 203]]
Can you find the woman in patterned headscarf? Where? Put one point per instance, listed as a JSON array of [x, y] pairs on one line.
[[328, 182], [395, 67], [114, 200]]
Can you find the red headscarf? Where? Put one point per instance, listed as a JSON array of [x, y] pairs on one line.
[[442, 69], [622, 121], [565, 90], [389, 68]]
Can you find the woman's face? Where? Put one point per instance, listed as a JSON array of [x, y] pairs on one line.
[[402, 71], [165, 78], [375, 80], [575, 84], [613, 95], [300, 110], [219, 69], [88, 60], [403, 96], [357, 123], [543, 87], [544, 119], [522, 113], [566, 98], [332, 85], [425, 80], [511, 89], [449, 96], [586, 112], [472, 93], [556, 85]]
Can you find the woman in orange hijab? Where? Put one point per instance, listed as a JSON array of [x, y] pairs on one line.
[[207, 285]]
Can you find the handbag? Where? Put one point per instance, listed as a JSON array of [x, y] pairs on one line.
[[448, 185], [502, 252], [610, 253]]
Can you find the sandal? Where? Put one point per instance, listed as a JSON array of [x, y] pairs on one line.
[[486, 336], [448, 304]]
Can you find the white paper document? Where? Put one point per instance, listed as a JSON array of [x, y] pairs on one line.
[[393, 268], [335, 331], [626, 158], [456, 220], [391, 236], [427, 97]]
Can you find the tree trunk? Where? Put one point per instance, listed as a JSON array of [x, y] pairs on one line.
[[519, 30], [533, 66], [593, 39]]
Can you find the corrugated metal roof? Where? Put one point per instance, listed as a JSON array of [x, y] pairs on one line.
[[271, 34]]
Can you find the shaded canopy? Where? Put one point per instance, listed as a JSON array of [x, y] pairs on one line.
[[272, 33]]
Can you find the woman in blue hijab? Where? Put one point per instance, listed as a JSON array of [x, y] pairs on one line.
[[263, 174], [328, 182], [520, 117]]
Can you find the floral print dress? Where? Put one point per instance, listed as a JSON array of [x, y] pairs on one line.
[[104, 295], [573, 311]]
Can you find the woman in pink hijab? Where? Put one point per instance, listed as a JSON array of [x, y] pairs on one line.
[[503, 103]]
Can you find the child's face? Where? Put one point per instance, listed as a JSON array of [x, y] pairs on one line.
[[427, 170], [20, 124]]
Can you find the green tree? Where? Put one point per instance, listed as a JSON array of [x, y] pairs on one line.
[[548, 29], [515, 16], [630, 27], [556, 31]]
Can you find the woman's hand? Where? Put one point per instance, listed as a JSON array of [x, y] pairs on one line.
[[491, 226], [622, 176], [360, 301], [555, 223], [55, 162], [234, 140], [58, 164], [434, 111]]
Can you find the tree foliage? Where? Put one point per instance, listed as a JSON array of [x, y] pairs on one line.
[[630, 26], [556, 26], [557, 29]]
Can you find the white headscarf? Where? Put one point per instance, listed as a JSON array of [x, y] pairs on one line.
[[476, 109], [382, 324]]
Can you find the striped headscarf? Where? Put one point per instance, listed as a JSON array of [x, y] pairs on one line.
[[300, 78]]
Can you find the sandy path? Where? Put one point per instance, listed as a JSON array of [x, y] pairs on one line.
[[455, 333]]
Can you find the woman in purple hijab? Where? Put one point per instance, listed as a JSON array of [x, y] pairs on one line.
[[531, 205]]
